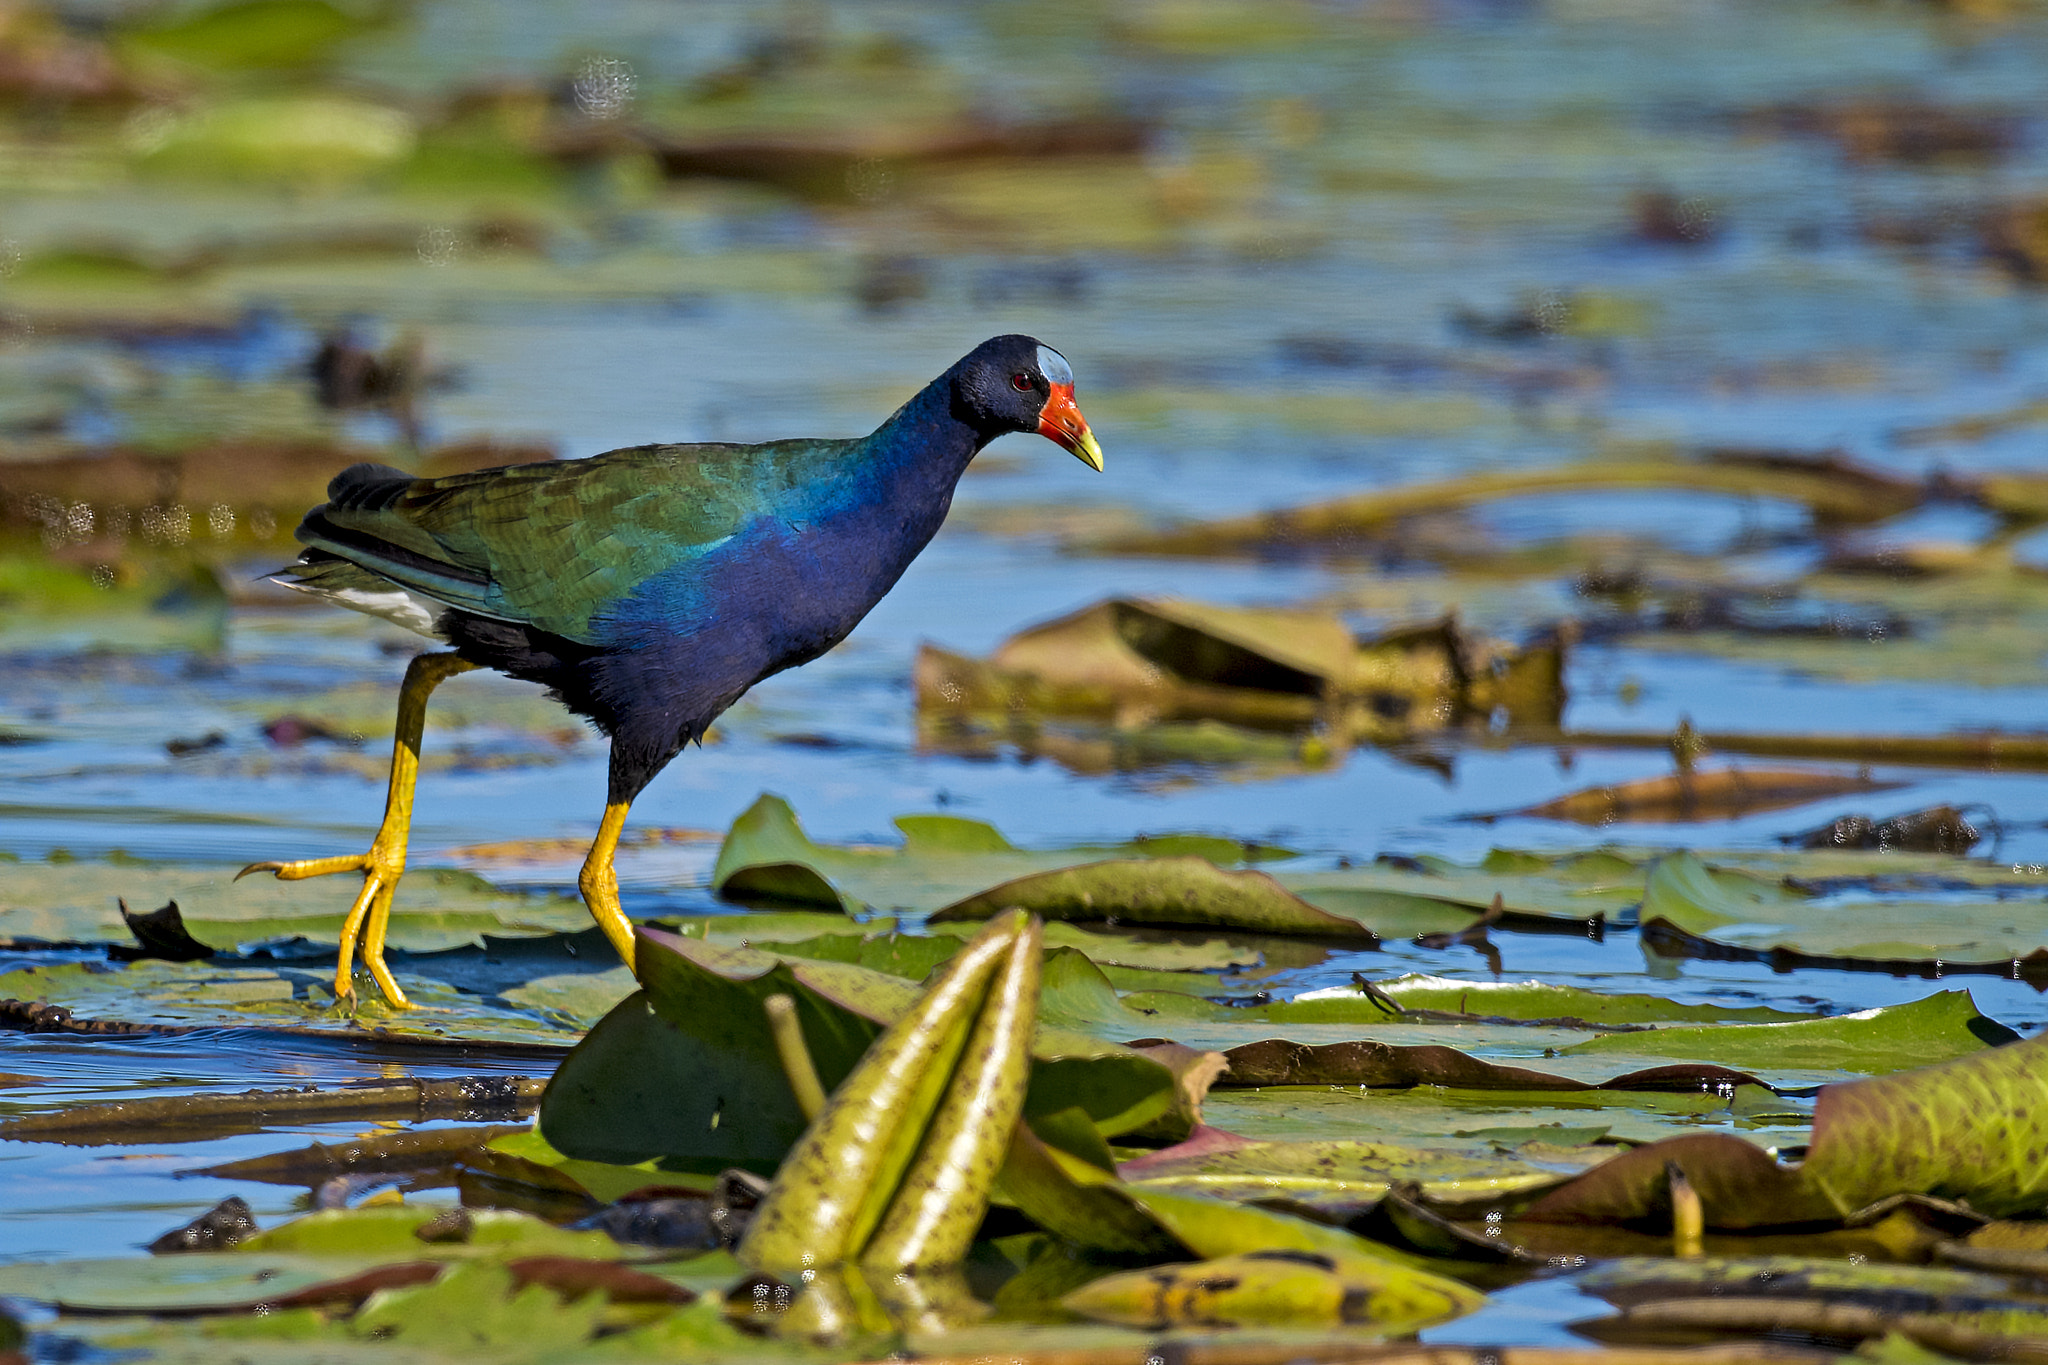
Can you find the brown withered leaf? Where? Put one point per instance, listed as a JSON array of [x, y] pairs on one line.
[[1150, 661], [1701, 794]]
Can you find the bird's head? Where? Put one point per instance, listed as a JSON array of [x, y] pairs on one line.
[[1018, 383]]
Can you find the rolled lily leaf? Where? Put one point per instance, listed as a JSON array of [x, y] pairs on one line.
[[941, 1201], [833, 1189], [1258, 1289], [1076, 1200]]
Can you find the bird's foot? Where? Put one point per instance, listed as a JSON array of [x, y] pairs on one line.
[[370, 863], [382, 865]]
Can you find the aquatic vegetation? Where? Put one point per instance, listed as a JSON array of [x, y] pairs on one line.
[[1475, 831]]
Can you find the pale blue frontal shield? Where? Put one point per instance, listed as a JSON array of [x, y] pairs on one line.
[[1054, 366]]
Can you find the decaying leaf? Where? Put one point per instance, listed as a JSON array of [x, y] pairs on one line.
[[1968, 1129], [186, 1117], [1938, 829], [1141, 662], [1701, 794]]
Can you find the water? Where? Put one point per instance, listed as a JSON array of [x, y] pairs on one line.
[[1401, 245]]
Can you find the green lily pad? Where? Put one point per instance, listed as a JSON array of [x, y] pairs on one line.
[[475, 1310], [1933, 1029], [1433, 895], [389, 1232], [1356, 1173], [1188, 891], [1740, 910], [227, 995], [687, 1070], [1497, 1120], [1521, 1000], [964, 870], [436, 908], [148, 1284], [1348, 1039], [942, 860]]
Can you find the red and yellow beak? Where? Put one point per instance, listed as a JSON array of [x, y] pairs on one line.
[[1060, 421]]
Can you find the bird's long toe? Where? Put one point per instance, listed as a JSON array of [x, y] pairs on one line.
[[314, 867]]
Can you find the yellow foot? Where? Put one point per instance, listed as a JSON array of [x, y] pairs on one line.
[[368, 918]]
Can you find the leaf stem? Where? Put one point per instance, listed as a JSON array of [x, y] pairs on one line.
[[795, 1055]]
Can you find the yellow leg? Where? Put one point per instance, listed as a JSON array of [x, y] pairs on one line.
[[384, 864], [600, 884]]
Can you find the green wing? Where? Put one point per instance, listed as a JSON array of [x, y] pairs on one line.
[[552, 544]]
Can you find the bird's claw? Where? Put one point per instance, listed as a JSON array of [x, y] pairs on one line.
[[371, 862], [382, 865]]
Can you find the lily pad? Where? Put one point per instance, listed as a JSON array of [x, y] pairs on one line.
[[1502, 1120], [1739, 910], [1186, 891], [1356, 1174], [687, 1069], [768, 856], [1352, 1042], [436, 908], [216, 995], [957, 870], [1960, 1130]]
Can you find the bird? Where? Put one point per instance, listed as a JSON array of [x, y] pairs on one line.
[[647, 588]]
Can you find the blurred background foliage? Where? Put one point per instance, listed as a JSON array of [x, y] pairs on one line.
[[1534, 255]]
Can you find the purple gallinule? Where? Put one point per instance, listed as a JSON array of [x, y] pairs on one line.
[[648, 588]]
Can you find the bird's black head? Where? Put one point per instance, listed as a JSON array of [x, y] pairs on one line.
[[1018, 383]]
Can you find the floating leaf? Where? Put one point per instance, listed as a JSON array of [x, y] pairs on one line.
[[1185, 892], [393, 1230], [1896, 1037], [436, 908], [1958, 1130], [1705, 904], [768, 856], [687, 1068], [1257, 1289], [218, 994], [1353, 1175]]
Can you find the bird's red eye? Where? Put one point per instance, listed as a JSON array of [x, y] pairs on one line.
[[1021, 383]]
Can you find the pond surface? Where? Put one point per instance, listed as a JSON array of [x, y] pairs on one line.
[[1359, 247]]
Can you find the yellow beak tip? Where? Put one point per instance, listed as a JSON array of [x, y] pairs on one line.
[[1088, 452]]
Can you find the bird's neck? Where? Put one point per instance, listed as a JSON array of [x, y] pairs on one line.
[[925, 446]]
